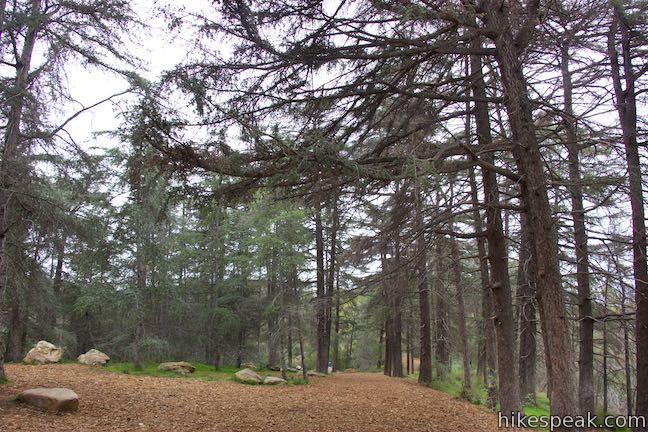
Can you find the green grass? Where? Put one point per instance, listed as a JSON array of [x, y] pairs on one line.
[[453, 385], [203, 372]]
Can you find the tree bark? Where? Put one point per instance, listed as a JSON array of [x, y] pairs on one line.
[[626, 105], [527, 355], [423, 288], [529, 162], [488, 329], [12, 155], [336, 346], [500, 285], [441, 328], [461, 312], [585, 321], [323, 338]]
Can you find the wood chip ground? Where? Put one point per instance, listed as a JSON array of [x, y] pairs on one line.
[[345, 402]]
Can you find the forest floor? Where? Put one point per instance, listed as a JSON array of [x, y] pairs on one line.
[[343, 402]]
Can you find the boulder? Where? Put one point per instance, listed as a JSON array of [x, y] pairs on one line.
[[44, 352], [271, 380], [51, 399], [248, 376], [182, 368], [248, 365], [93, 358]]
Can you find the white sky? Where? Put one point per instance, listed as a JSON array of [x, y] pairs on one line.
[[158, 49]]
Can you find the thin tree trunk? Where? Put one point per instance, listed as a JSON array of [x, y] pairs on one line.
[[626, 104], [336, 346], [488, 329], [585, 321], [332, 271], [381, 338], [322, 301], [626, 354], [605, 348], [461, 313], [442, 332], [284, 360], [273, 331], [301, 353]]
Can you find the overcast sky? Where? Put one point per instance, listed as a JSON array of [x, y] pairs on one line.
[[157, 48]]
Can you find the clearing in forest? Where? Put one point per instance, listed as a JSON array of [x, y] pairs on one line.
[[344, 402]]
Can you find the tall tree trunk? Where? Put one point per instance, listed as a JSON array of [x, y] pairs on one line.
[[605, 347], [284, 359], [626, 104], [302, 356], [381, 341], [500, 285], [395, 300], [526, 151], [272, 291], [19, 317], [488, 329], [322, 301], [441, 328], [461, 312], [13, 152], [336, 346], [585, 320], [289, 348], [527, 354], [626, 353], [423, 288], [332, 271]]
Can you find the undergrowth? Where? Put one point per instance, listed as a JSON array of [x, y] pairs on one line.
[[453, 385], [203, 372]]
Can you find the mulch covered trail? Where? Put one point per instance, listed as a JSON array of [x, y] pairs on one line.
[[344, 402]]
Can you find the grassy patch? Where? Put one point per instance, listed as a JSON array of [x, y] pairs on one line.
[[297, 381], [453, 385], [203, 372]]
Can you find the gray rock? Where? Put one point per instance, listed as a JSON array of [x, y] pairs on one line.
[[248, 376], [271, 380], [51, 399], [93, 358], [182, 368]]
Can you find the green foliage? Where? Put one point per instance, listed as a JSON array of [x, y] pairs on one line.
[[453, 385]]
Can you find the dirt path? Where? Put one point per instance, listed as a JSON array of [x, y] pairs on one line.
[[345, 402]]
